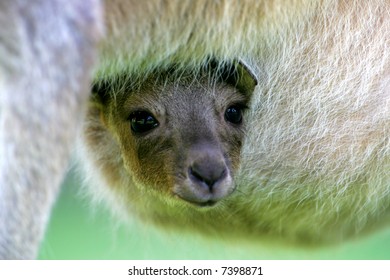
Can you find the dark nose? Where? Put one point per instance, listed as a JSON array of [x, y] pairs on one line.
[[207, 172], [208, 177]]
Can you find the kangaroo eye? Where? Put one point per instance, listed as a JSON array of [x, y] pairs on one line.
[[142, 121], [233, 114]]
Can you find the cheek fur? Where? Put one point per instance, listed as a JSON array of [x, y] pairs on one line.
[[154, 162], [231, 141]]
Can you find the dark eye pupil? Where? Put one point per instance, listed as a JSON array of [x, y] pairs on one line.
[[233, 114], [142, 121]]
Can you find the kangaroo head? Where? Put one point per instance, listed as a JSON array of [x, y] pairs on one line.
[[181, 133]]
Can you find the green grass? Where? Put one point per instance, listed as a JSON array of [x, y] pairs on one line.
[[76, 231]]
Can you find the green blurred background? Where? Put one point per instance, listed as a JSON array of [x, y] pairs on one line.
[[80, 230]]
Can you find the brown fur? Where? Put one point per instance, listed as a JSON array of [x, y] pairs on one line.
[[192, 132]]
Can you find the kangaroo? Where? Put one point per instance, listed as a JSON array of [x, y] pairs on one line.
[[309, 163]]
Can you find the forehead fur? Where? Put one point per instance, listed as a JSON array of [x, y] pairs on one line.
[[236, 74]]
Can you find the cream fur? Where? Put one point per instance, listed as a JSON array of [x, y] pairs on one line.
[[315, 164]]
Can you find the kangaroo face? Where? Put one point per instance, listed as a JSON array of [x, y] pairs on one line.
[[180, 135]]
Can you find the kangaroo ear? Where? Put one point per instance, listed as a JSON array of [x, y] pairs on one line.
[[246, 78], [237, 74], [101, 93]]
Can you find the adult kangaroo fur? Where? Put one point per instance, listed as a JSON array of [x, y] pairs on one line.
[[314, 162]]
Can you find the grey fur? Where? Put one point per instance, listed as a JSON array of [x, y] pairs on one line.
[[47, 50]]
